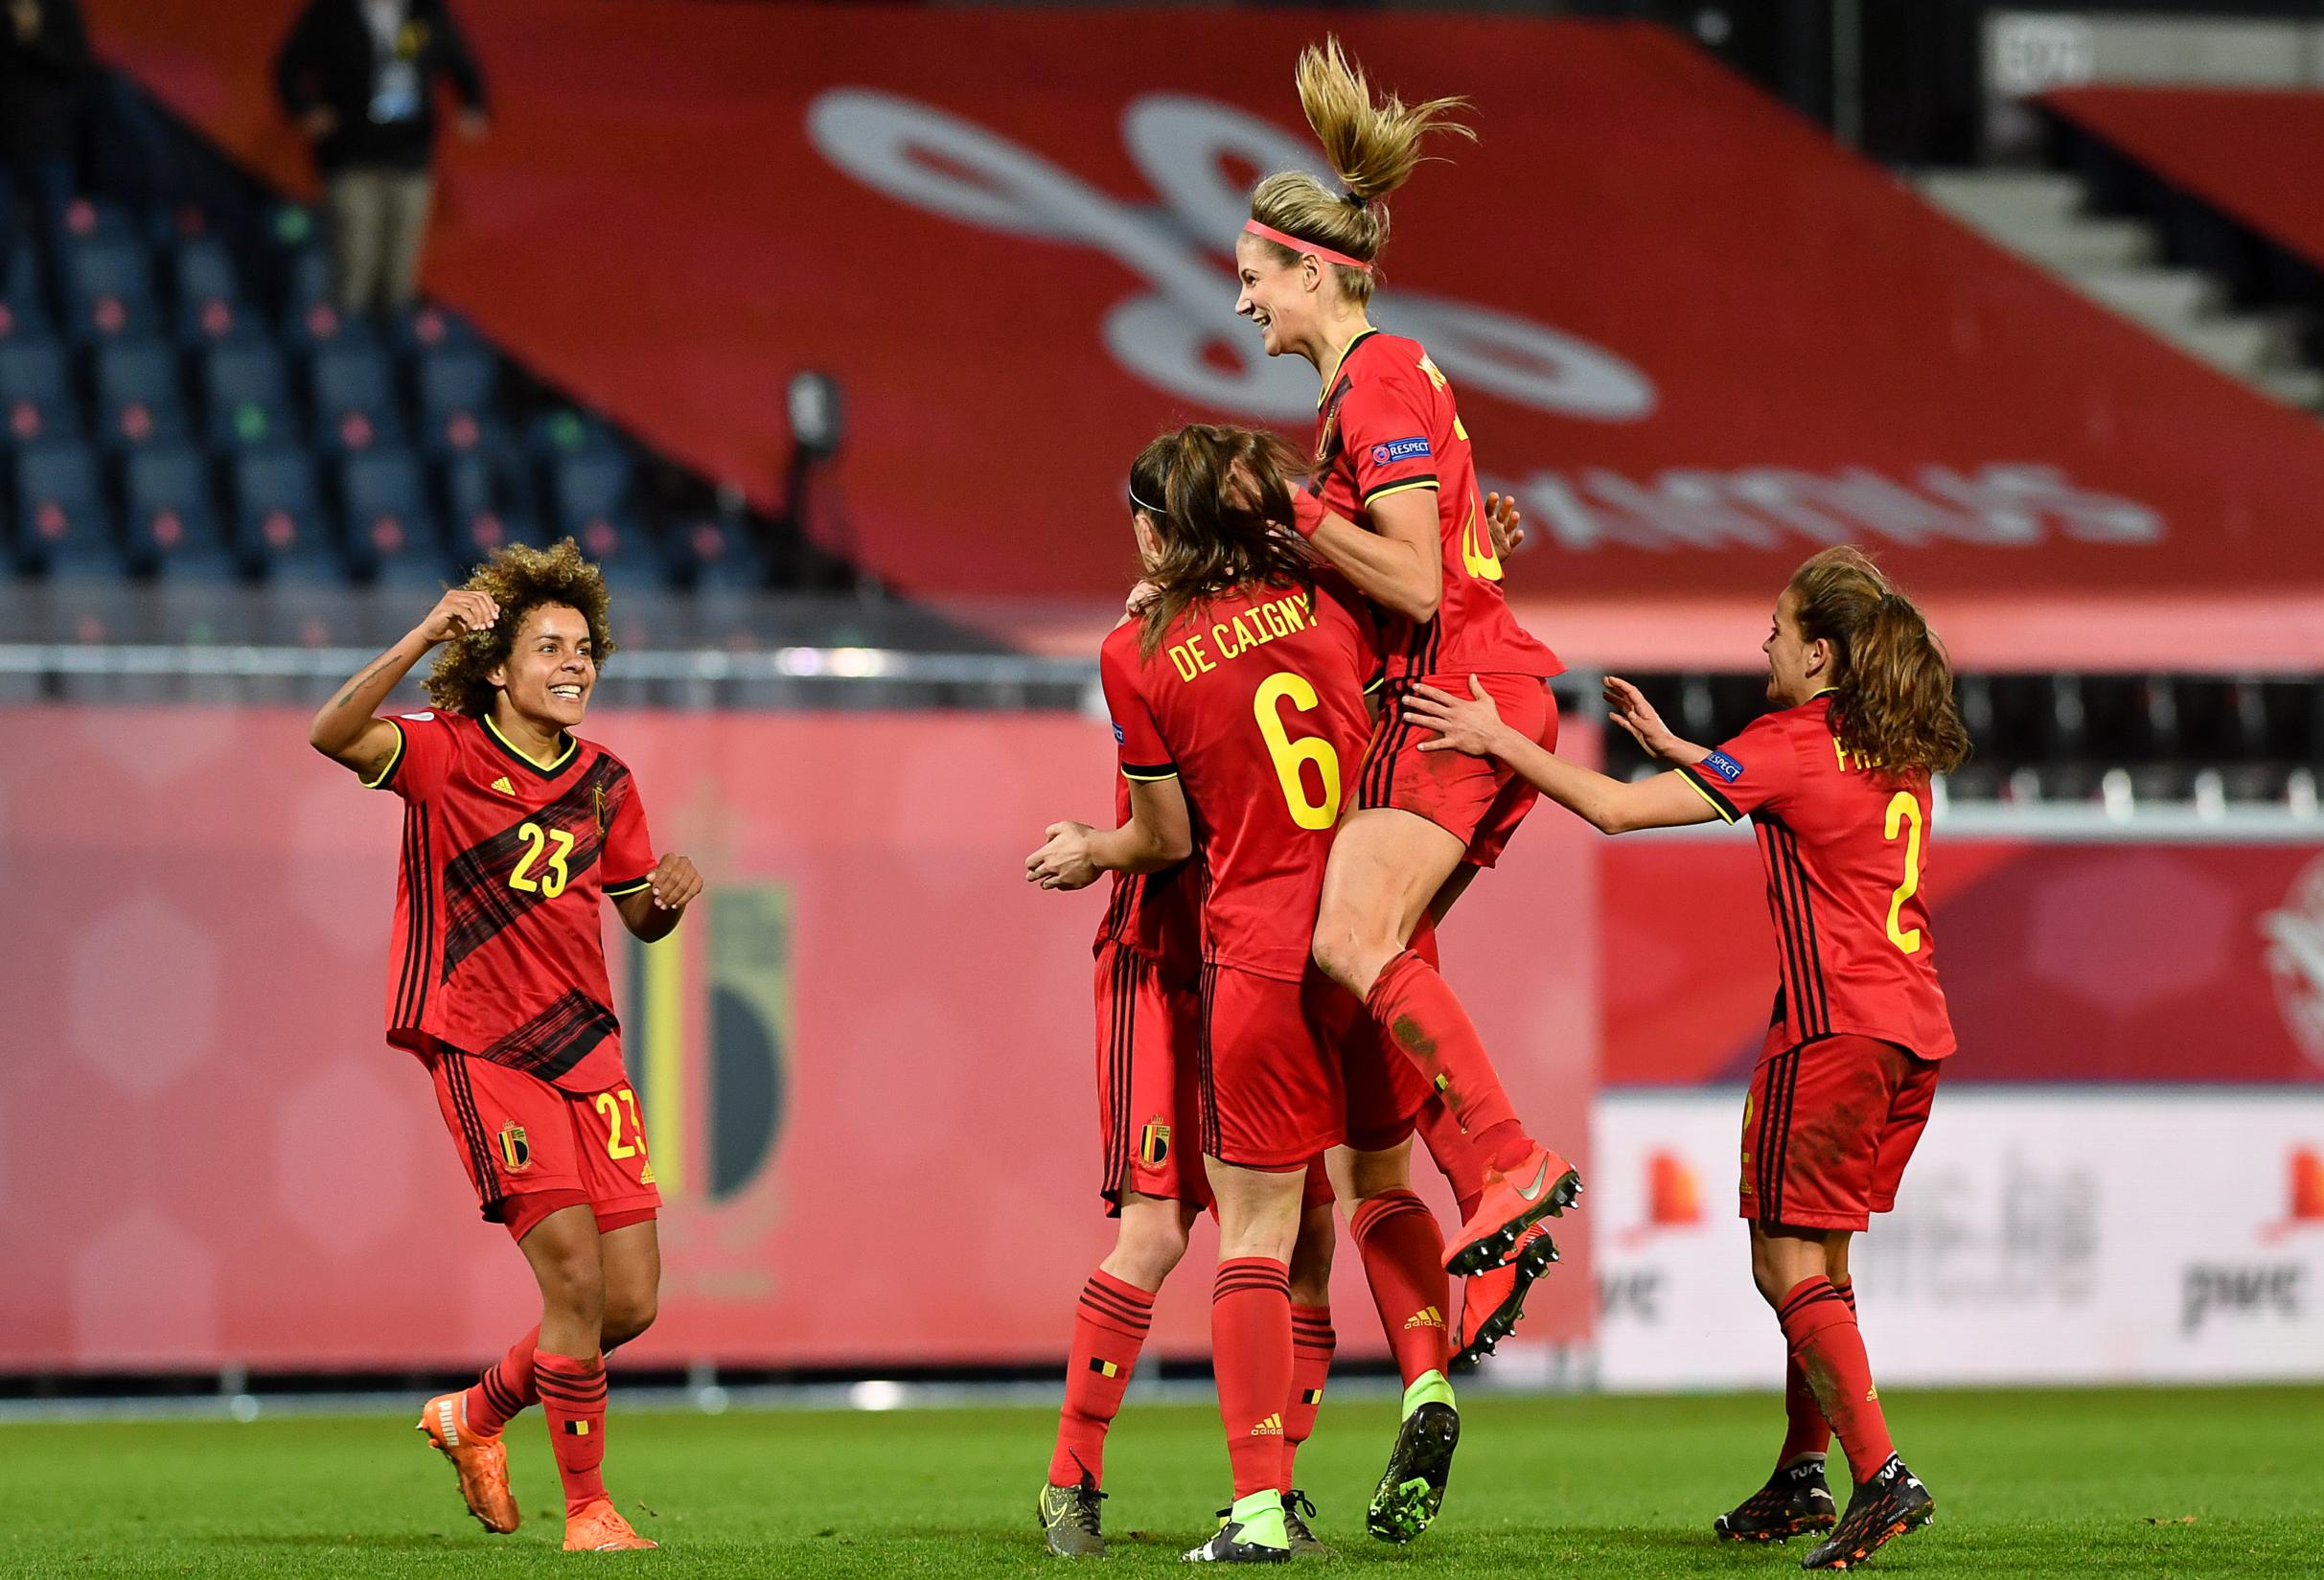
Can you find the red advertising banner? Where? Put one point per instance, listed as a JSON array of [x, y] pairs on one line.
[[1693, 337], [2115, 960], [2255, 154], [866, 1059]]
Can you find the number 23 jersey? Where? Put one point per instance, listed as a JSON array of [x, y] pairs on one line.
[[499, 945], [1846, 849], [1255, 702]]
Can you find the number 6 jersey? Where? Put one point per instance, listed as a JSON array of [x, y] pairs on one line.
[[1254, 700], [1846, 848], [500, 947]]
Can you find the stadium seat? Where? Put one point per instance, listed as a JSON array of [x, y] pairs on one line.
[[708, 550], [429, 328], [353, 397], [245, 397], [170, 526], [109, 291], [316, 324], [565, 432], [138, 401], [98, 220], [23, 303], [485, 503], [208, 291], [390, 529], [278, 524], [62, 520], [35, 394], [456, 387]]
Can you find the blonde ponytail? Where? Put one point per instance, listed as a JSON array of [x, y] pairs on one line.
[[1372, 147]]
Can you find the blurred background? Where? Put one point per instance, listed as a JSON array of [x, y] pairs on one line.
[[831, 331]]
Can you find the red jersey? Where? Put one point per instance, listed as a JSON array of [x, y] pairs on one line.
[[1255, 702], [498, 945], [1386, 425], [1155, 913], [1845, 847]]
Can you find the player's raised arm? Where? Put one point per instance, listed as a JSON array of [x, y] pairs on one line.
[[1159, 835], [1474, 726], [345, 729]]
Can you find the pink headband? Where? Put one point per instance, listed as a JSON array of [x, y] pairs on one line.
[[1281, 239]]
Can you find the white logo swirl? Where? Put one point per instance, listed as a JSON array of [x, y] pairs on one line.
[[1179, 336]]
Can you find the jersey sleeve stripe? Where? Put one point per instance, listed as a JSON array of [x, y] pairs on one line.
[[395, 761], [1718, 803], [1400, 485], [1147, 773], [617, 890]]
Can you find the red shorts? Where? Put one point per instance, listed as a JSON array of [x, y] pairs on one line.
[[532, 1148], [1145, 1089], [1290, 1068], [1828, 1130], [1481, 800]]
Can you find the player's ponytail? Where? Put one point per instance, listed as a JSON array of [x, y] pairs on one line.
[[1892, 699], [1372, 147], [1226, 494]]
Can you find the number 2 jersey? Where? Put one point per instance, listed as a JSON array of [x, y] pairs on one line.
[[1846, 849], [1255, 702], [1388, 425], [500, 947]]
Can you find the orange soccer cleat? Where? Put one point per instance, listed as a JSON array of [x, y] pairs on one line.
[[1492, 1302], [480, 1461], [601, 1528], [1542, 1186]]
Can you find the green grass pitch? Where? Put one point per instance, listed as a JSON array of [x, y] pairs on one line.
[[2160, 1482]]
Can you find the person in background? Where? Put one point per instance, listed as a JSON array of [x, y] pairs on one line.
[[361, 78], [44, 62]]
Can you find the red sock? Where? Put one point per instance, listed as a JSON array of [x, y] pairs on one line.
[[1311, 1345], [1456, 1155], [1108, 1329], [1403, 1251], [1805, 1428], [573, 1397], [1429, 1024], [1251, 1348], [505, 1387], [1821, 1326]]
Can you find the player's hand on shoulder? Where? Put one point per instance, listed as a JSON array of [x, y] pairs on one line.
[[1462, 724], [1627, 706], [1064, 861], [674, 881], [1501, 513], [457, 613]]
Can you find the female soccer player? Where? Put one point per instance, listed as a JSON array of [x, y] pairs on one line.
[[1398, 515], [1237, 696], [1837, 782], [512, 828]]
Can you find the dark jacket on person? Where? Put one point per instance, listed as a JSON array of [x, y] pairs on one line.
[[330, 60], [41, 80]]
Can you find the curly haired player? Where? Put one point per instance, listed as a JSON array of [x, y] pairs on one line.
[[512, 829]]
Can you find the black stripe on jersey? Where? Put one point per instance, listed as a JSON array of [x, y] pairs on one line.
[[1791, 970], [557, 1039], [419, 918], [472, 1132], [479, 903], [1121, 1055], [1379, 488], [1147, 773], [1783, 1088], [1815, 1014], [1711, 792], [1206, 1126]]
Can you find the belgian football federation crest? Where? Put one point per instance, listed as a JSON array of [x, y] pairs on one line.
[[516, 1152], [1154, 1144]]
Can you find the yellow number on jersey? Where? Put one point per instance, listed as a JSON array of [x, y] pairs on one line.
[[550, 884], [610, 1105], [1289, 754], [1904, 811], [1477, 551]]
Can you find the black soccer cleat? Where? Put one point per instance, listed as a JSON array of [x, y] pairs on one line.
[[1262, 1539], [1892, 1503], [1068, 1516], [1304, 1542], [1412, 1489], [1794, 1503]]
